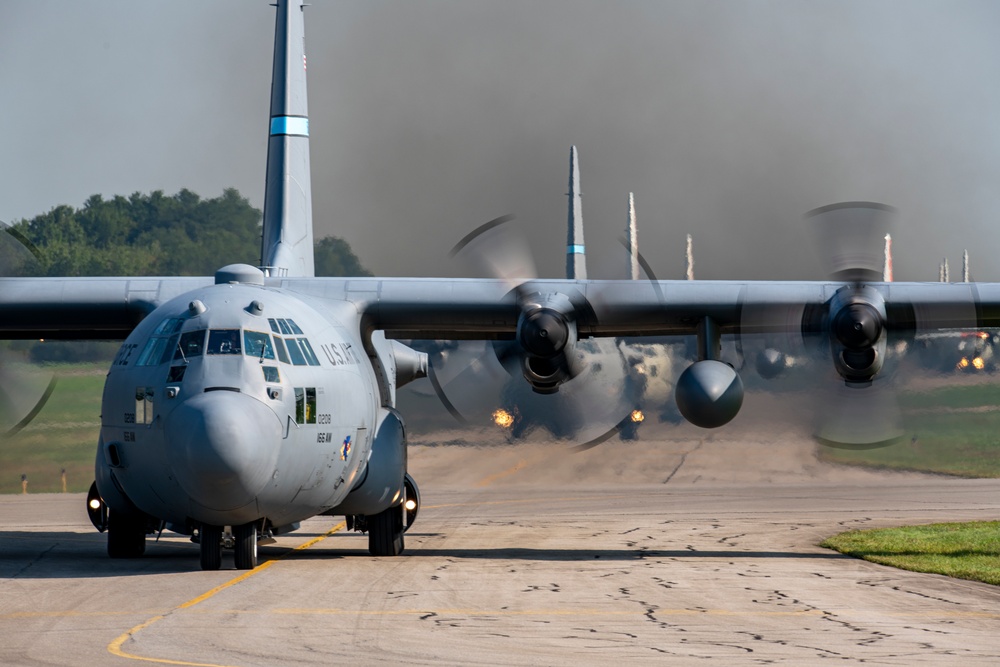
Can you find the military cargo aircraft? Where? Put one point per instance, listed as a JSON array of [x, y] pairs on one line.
[[241, 404]]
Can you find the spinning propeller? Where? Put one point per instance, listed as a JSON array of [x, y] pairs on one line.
[[857, 340], [24, 387], [544, 375]]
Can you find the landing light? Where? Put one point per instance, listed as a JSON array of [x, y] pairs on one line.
[[979, 363], [95, 504], [410, 505], [637, 416], [963, 363], [502, 418]]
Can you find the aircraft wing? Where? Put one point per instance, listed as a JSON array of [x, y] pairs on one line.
[[476, 309], [109, 308], [83, 308]]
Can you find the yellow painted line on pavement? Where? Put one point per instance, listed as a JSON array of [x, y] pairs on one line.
[[489, 479], [115, 647], [520, 501]]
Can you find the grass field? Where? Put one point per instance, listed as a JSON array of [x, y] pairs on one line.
[[953, 430], [62, 436], [963, 550]]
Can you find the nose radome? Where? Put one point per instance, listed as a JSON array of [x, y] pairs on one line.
[[224, 446]]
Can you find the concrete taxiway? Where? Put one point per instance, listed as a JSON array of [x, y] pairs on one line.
[[520, 558]]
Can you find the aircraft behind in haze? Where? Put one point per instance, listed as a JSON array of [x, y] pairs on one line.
[[264, 396]]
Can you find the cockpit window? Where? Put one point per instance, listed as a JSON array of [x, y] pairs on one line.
[[224, 341], [279, 345], [274, 325], [153, 351], [295, 353], [307, 350], [160, 346], [190, 345], [283, 325], [257, 345], [294, 327]]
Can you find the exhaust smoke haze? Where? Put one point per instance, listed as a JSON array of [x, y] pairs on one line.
[[727, 120]]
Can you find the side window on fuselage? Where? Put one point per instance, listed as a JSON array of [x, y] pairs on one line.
[[305, 405], [143, 405]]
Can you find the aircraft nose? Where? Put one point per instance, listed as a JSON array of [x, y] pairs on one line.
[[224, 448]]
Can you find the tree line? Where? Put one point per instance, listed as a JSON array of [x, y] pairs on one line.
[[152, 235]]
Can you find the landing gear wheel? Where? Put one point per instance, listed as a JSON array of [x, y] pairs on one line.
[[385, 532], [126, 535], [211, 547], [245, 546]]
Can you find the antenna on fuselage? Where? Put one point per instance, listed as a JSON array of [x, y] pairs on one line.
[[287, 240]]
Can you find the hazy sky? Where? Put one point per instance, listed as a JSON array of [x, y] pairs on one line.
[[728, 120]]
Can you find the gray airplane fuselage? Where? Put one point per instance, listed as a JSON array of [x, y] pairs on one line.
[[234, 403]]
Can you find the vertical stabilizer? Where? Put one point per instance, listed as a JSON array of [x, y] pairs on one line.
[[631, 235], [945, 278], [576, 257], [689, 256], [965, 266], [287, 243], [887, 262]]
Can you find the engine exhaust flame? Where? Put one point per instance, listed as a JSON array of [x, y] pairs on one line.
[[502, 418], [637, 416]]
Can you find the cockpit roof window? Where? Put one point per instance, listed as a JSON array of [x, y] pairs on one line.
[[294, 327], [283, 325], [224, 341], [274, 325], [257, 344], [168, 326]]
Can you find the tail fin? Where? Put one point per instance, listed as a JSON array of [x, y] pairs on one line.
[[689, 257], [632, 240], [887, 261], [287, 242], [576, 257]]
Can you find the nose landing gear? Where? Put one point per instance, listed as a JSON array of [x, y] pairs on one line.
[[242, 540]]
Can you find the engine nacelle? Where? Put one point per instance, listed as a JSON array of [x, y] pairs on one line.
[[709, 393], [857, 333], [546, 334]]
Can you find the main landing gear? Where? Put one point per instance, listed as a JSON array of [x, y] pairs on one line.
[[385, 532], [243, 541]]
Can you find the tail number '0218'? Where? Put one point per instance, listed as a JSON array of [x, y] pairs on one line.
[[322, 418]]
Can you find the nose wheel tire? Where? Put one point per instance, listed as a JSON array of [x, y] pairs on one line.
[[245, 546], [211, 547], [126, 535], [385, 532]]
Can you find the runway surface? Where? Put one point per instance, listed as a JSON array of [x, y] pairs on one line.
[[685, 552]]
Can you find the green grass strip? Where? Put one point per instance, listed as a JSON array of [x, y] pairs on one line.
[[962, 550]]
